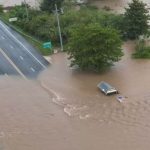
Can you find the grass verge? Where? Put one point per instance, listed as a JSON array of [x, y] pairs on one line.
[[142, 51]]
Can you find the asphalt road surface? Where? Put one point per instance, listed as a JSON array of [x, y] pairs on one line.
[[17, 56]]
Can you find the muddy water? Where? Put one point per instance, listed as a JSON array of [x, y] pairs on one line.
[[64, 109], [100, 122]]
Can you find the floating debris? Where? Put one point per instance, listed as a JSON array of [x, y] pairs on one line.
[[121, 98]]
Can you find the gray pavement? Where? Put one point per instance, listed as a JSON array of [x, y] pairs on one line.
[[22, 54]]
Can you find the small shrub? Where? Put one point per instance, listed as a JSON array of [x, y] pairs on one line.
[[1, 9], [142, 51]]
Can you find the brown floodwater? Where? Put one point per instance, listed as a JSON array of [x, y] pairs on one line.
[[64, 110]]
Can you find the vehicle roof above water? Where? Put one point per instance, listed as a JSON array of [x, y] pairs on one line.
[[105, 85]]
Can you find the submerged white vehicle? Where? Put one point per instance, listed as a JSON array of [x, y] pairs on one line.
[[107, 88]]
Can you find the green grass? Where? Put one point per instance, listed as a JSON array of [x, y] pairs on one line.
[[144, 52], [38, 46]]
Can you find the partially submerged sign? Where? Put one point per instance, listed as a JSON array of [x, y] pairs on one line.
[[13, 19], [47, 45]]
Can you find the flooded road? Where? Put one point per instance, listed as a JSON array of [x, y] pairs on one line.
[[64, 109]]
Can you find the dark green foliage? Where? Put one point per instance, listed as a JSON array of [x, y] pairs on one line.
[[85, 16], [136, 20], [93, 47], [1, 9], [40, 25], [19, 12], [49, 5], [44, 26]]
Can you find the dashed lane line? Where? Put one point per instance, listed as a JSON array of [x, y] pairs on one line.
[[21, 58], [32, 69], [12, 63]]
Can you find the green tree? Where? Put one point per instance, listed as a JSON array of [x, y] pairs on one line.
[[1, 9], [19, 11], [73, 18], [49, 5], [136, 19], [93, 47]]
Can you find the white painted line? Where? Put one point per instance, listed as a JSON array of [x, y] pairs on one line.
[[22, 45], [3, 37], [32, 69], [11, 47], [11, 62], [21, 58]]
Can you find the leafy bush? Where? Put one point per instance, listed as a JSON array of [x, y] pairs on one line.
[[136, 19], [93, 47], [44, 26], [85, 16], [41, 25], [49, 5], [1, 9]]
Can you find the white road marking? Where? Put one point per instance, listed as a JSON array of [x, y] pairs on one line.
[[3, 37], [21, 58], [32, 69], [11, 47], [22, 45], [11, 62]]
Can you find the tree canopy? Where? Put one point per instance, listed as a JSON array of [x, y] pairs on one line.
[[93, 47], [49, 5], [1, 8], [136, 19]]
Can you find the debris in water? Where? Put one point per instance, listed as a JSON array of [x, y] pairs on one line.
[[121, 98]]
